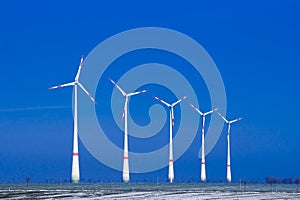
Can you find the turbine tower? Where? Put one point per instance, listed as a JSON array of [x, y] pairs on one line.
[[203, 170], [171, 106], [228, 176], [75, 156], [125, 113]]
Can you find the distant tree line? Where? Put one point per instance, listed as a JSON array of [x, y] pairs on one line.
[[274, 180]]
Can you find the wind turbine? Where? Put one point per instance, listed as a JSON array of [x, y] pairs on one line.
[[203, 170], [171, 106], [125, 113], [75, 156], [228, 176]]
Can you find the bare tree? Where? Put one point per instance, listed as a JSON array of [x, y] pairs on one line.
[[27, 181], [270, 180], [245, 183], [297, 181]]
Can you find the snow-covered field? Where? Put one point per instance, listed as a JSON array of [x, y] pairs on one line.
[[144, 195], [145, 191]]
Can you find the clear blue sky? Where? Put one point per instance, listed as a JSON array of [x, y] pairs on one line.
[[255, 45]]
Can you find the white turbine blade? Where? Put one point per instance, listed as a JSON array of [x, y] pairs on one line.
[[211, 111], [135, 93], [63, 85], [235, 120], [196, 109], [179, 100], [79, 68], [118, 87], [124, 110], [91, 97], [162, 101], [223, 117], [172, 115]]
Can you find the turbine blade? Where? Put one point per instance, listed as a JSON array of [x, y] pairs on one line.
[[172, 115], [86, 92], [63, 85], [235, 120], [118, 87], [211, 111], [79, 68], [135, 93], [124, 110], [223, 117], [196, 109], [162, 101], [179, 100]]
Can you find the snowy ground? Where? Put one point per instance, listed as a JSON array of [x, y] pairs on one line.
[[151, 191], [142, 195]]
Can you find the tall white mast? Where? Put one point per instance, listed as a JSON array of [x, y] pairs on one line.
[[125, 175], [228, 166], [75, 174], [171, 106], [203, 164]]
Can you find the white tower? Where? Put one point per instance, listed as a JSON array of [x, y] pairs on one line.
[[228, 175], [171, 106], [125, 114], [75, 176], [203, 168]]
